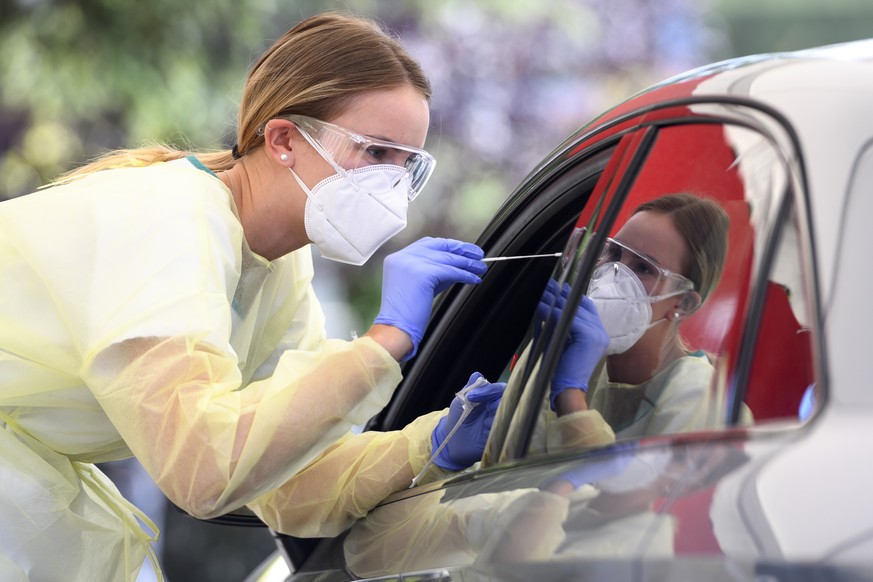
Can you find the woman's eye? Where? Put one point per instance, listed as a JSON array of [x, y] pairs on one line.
[[641, 268], [376, 153]]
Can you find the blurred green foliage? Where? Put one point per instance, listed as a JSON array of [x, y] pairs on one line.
[[79, 78], [784, 25]]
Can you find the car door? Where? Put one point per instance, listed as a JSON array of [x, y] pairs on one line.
[[515, 516]]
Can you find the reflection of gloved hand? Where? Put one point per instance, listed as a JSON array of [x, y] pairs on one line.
[[611, 462], [548, 302], [414, 275], [586, 343], [468, 443]]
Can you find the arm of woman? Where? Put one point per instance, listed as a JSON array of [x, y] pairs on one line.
[[351, 477], [153, 320], [348, 480], [212, 446]]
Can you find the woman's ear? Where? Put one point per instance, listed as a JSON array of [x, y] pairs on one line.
[[279, 141], [687, 305]]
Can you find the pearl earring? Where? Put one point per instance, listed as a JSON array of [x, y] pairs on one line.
[[675, 315], [284, 157]]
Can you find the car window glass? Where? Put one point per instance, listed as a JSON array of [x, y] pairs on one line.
[[504, 437], [780, 381], [711, 195]]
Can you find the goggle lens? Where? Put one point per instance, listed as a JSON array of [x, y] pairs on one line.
[[349, 150], [656, 279]]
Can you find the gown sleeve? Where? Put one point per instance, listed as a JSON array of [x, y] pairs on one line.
[[348, 480]]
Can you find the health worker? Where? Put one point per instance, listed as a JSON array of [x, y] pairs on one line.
[[158, 303]]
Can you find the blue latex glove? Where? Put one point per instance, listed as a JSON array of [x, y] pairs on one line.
[[549, 302], [609, 463], [414, 275], [468, 443], [586, 343]]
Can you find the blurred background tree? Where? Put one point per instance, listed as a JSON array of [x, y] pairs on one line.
[[512, 78]]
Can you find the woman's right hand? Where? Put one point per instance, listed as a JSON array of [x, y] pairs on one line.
[[414, 275]]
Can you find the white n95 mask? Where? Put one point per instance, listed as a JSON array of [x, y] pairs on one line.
[[623, 305], [349, 218]]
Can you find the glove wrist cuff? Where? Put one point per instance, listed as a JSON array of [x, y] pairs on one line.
[[439, 461]]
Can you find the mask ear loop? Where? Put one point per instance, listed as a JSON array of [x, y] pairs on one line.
[[300, 183]]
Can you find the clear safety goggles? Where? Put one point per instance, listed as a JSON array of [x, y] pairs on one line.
[[347, 150], [656, 279]]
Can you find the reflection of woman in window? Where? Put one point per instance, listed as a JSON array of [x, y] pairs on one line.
[[657, 270]]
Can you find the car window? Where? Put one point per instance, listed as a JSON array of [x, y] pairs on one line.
[[716, 260], [476, 328], [505, 436], [779, 372]]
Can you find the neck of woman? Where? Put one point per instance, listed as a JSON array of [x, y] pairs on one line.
[[651, 354]]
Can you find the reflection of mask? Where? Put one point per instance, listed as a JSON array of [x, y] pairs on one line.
[[623, 305], [348, 221], [641, 472]]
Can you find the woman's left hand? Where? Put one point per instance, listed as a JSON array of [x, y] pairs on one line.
[[468, 443], [586, 343]]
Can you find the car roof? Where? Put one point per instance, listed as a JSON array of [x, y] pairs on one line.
[[826, 95]]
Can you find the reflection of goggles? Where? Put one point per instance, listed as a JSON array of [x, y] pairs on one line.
[[656, 279], [347, 150]]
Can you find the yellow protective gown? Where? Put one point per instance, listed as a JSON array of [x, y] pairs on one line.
[[677, 399], [685, 397], [516, 526], [135, 320]]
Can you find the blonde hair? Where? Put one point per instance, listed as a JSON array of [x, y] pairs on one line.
[[314, 69]]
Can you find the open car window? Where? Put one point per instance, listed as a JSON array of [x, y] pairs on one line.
[[506, 434], [704, 358]]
